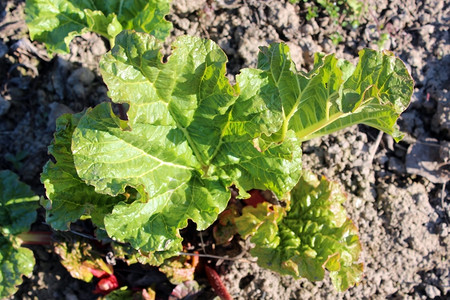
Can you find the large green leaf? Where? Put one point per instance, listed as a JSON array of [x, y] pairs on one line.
[[70, 198], [311, 236], [14, 262], [57, 22], [18, 204], [334, 95], [178, 146]]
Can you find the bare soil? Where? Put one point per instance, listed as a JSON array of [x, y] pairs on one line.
[[397, 193]]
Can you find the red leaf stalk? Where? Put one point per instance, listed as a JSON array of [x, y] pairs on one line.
[[107, 283], [217, 284]]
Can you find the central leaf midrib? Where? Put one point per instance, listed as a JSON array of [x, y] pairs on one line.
[[178, 125], [204, 164], [287, 117]]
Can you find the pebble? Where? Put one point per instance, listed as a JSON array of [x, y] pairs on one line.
[[388, 142], [396, 165], [61, 70], [82, 75], [56, 110], [444, 230], [432, 291], [184, 23], [382, 157], [307, 29], [98, 46]]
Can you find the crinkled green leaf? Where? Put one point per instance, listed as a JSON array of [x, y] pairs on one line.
[[57, 22], [334, 95], [18, 204], [312, 236], [14, 262], [69, 197], [154, 225], [179, 145]]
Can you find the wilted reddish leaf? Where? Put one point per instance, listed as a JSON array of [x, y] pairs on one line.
[[255, 198]]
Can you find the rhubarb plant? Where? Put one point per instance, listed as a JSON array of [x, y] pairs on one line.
[[56, 23], [189, 135], [18, 206]]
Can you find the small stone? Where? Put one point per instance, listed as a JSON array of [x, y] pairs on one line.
[[396, 165], [184, 23], [185, 6], [97, 46], [415, 58], [315, 26], [432, 291], [382, 159], [307, 29], [56, 110], [79, 81], [4, 106], [427, 29], [424, 159], [444, 230], [82, 75], [388, 142], [59, 75], [78, 90]]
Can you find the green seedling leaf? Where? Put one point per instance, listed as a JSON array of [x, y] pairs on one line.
[[56, 23], [177, 147], [312, 236], [334, 95]]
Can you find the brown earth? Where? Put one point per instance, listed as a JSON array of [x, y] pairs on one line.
[[398, 195]]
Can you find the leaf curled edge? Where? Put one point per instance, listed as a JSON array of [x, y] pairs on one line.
[[312, 236], [333, 95]]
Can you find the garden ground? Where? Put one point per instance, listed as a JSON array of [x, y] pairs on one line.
[[397, 193]]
